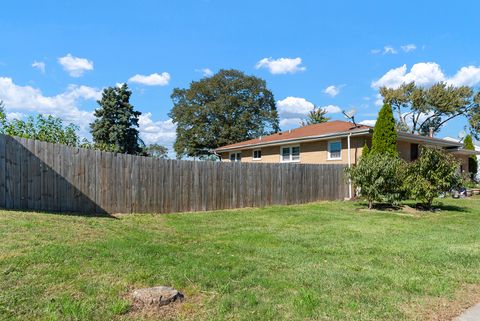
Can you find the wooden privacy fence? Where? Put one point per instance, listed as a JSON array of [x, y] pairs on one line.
[[52, 177]]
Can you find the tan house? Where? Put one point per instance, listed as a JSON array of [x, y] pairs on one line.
[[334, 142]]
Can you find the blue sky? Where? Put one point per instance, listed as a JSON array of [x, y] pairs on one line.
[[56, 56]]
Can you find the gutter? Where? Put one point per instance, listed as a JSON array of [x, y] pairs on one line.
[[349, 166]]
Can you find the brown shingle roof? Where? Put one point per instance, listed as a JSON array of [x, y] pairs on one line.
[[331, 127]]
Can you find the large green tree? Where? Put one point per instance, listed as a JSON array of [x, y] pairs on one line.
[[472, 160], [156, 150], [315, 116], [225, 108], [384, 139], [419, 109], [44, 128], [116, 123]]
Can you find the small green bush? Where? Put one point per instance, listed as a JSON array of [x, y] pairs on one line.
[[379, 178], [432, 173]]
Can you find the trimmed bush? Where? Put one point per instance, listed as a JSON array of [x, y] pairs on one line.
[[379, 178], [434, 172]]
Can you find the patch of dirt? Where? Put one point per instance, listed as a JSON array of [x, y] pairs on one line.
[[404, 210], [443, 309], [192, 307]]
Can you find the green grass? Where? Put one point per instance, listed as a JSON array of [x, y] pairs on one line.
[[328, 261]]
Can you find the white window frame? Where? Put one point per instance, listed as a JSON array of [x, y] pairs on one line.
[[253, 154], [236, 159], [329, 155], [290, 160]]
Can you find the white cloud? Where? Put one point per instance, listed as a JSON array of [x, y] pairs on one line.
[[378, 100], [409, 47], [24, 99], [332, 109], [375, 51], [161, 132], [293, 109], [466, 76], [15, 115], [39, 65], [290, 122], [368, 122], [151, 80], [389, 50], [294, 106], [207, 72], [426, 74], [332, 90], [281, 65], [75, 66]]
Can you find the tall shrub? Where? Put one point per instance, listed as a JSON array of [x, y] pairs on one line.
[[472, 160], [384, 139], [379, 178], [432, 173]]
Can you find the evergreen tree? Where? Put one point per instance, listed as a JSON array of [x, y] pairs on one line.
[[472, 160], [384, 139], [365, 150], [315, 116], [115, 128]]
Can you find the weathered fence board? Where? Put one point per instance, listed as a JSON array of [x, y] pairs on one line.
[[52, 177]]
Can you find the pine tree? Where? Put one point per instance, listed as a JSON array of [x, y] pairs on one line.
[[315, 116], [365, 150], [384, 139], [115, 128], [472, 160]]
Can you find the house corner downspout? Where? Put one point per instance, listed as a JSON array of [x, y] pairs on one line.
[[349, 166]]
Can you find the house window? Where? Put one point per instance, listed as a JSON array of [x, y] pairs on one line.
[[235, 157], [413, 152], [335, 150], [257, 154], [290, 154]]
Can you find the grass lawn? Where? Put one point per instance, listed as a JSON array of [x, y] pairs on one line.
[[322, 261]]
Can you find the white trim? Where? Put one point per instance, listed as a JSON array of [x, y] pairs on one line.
[[290, 147], [253, 154], [236, 159], [329, 157]]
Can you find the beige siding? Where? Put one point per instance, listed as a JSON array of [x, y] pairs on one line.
[[463, 159], [310, 153], [404, 150], [317, 152]]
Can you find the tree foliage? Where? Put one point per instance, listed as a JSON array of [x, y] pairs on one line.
[[379, 178], [432, 173], [315, 116], [116, 123], [225, 108], [384, 139], [156, 150], [44, 128], [472, 160], [418, 108]]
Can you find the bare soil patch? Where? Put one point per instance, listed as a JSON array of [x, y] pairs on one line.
[[442, 309]]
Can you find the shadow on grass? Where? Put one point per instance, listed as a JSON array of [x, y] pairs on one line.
[[411, 206], [89, 215]]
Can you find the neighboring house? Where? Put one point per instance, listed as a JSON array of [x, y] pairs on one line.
[[477, 148], [334, 142]]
